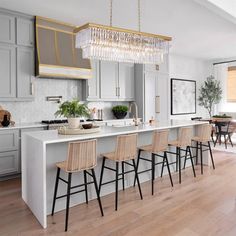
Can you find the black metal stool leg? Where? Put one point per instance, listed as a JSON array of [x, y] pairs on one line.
[[217, 137], [85, 186], [185, 158], [196, 154], [163, 165], [179, 160], [225, 141], [97, 191], [168, 168], [212, 161], [68, 200], [123, 175], [153, 172], [136, 174], [201, 155], [117, 183], [101, 176], [191, 159], [55, 190], [138, 159], [230, 140]]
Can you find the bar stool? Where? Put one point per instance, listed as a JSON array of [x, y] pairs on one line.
[[203, 137], [126, 149], [183, 143], [82, 156], [159, 144]]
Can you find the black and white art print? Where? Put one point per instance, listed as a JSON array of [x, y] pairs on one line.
[[183, 96]]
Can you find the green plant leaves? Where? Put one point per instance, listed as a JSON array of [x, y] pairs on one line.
[[72, 109]]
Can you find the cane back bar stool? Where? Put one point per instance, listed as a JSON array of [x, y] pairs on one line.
[[183, 143], [82, 156], [126, 150], [159, 145], [203, 137]]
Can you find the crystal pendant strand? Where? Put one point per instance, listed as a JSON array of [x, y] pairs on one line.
[[113, 44]]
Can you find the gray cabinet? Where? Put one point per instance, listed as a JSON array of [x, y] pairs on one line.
[[9, 163], [126, 81], [109, 81], [9, 152], [25, 32], [25, 71], [93, 84], [16, 56], [7, 71], [7, 26]]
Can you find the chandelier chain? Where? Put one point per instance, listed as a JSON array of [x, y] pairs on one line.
[[111, 6], [139, 16]]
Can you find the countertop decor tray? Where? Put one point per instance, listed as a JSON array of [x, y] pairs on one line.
[[68, 131]]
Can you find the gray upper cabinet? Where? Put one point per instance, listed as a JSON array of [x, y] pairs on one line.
[[109, 81], [93, 85], [25, 71], [16, 56], [7, 71], [7, 26], [25, 32], [126, 81]]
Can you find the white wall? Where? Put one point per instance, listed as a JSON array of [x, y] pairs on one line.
[[181, 67]]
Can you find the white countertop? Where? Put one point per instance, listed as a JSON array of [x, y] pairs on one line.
[[52, 136]]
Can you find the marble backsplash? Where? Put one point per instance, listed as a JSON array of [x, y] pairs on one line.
[[40, 109]]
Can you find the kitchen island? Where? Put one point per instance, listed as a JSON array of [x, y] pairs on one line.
[[42, 149]]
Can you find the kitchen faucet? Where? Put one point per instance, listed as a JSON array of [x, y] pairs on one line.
[[134, 104]]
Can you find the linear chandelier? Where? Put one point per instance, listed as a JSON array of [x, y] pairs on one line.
[[110, 43]]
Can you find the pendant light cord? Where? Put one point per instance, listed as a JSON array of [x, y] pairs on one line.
[[139, 14], [111, 6]]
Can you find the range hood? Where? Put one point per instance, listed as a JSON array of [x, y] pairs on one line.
[[57, 56]]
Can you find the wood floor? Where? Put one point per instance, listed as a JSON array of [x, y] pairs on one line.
[[202, 206]]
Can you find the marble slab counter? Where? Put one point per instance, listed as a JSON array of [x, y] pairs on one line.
[[52, 136]]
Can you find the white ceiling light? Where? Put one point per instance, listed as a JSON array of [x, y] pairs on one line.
[[116, 44]]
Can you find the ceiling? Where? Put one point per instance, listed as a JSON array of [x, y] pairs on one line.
[[197, 31]]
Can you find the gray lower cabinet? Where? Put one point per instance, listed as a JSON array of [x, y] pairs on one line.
[[7, 26], [25, 71], [9, 163], [7, 71], [9, 152]]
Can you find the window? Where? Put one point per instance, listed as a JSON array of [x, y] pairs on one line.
[[231, 84]]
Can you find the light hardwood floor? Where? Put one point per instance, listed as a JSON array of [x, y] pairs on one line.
[[202, 206]]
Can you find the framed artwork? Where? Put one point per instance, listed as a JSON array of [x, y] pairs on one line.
[[183, 96]]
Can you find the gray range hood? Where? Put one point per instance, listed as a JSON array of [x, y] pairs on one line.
[[57, 56]]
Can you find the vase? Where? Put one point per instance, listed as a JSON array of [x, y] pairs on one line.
[[74, 123], [5, 121], [120, 115]]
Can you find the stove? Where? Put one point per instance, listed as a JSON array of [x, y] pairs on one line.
[[54, 124]]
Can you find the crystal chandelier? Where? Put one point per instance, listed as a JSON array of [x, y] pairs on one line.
[[116, 44]]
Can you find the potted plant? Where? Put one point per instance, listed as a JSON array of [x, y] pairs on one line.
[[73, 111], [210, 94], [120, 111]]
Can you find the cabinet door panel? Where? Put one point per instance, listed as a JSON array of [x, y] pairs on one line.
[[126, 81], [7, 71], [93, 92], [9, 163], [7, 26], [109, 80], [25, 69], [9, 140], [25, 29]]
